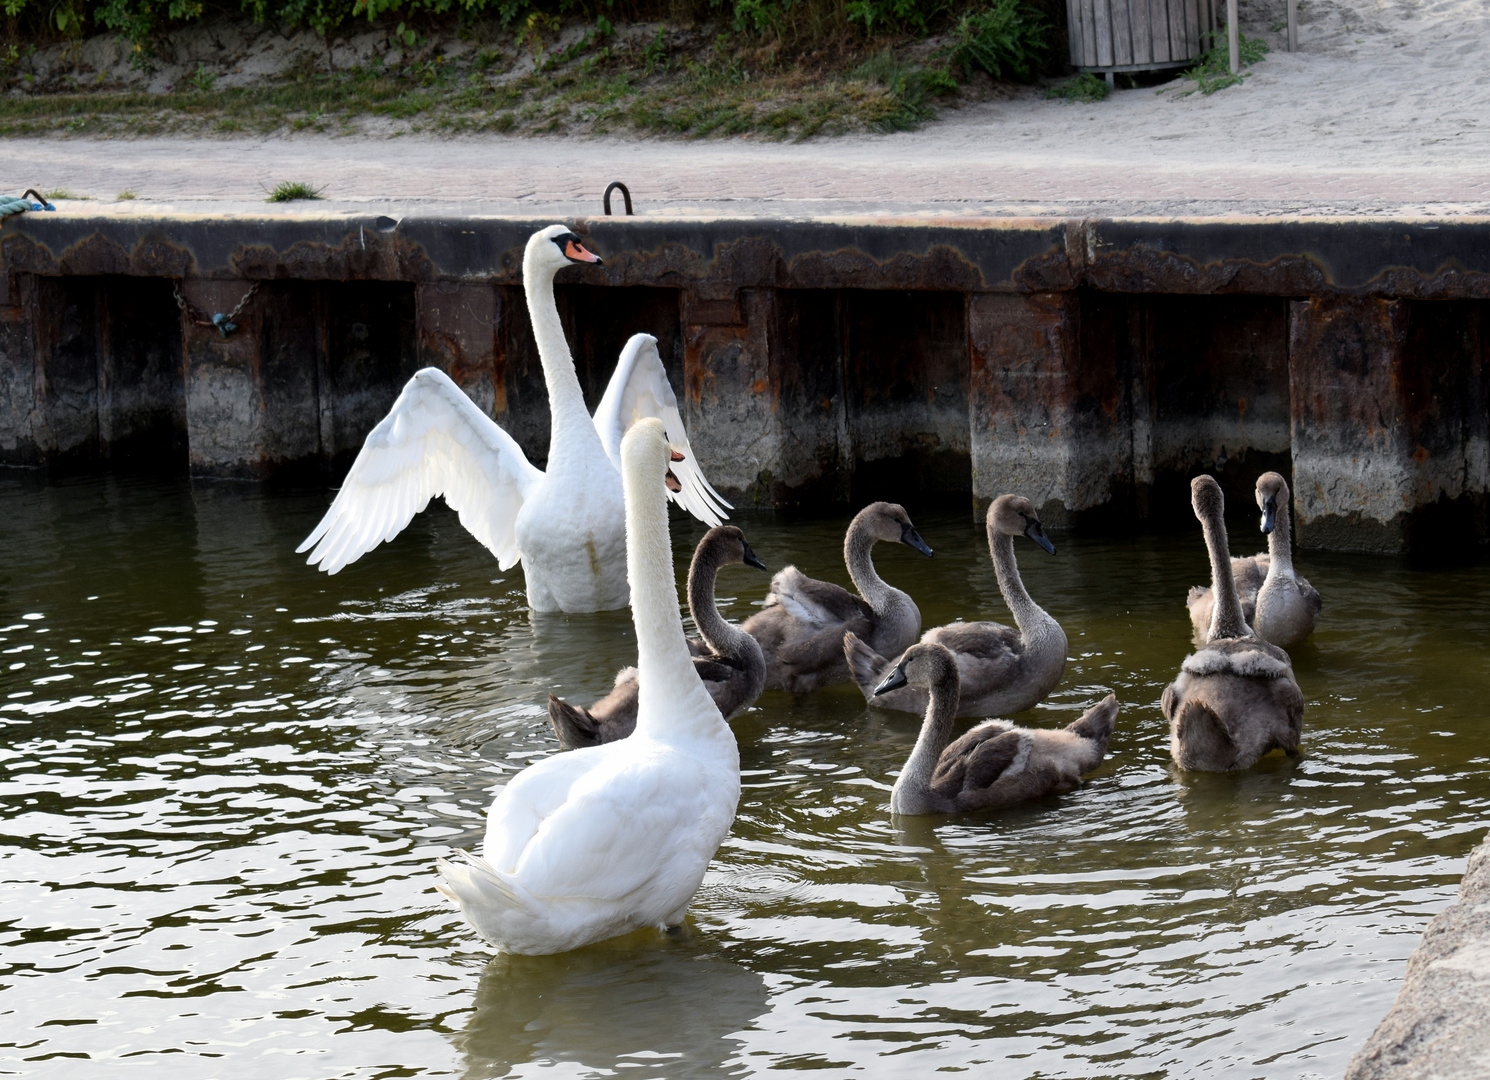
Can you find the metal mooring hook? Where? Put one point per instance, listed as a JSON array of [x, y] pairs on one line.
[[625, 194], [43, 199]]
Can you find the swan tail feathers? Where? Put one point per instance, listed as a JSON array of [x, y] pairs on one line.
[[1097, 722], [865, 665], [575, 727], [474, 883]]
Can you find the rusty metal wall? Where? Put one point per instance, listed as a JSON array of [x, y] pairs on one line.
[[1093, 365]]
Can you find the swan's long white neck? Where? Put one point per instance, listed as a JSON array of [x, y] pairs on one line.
[[571, 430], [671, 698]]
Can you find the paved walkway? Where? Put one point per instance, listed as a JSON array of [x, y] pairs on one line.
[[897, 176], [1386, 109]]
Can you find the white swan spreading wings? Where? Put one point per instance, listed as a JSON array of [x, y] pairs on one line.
[[566, 523]]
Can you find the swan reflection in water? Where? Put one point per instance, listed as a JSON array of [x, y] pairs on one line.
[[634, 1001]]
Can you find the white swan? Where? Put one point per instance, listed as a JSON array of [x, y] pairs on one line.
[[565, 523], [603, 840]]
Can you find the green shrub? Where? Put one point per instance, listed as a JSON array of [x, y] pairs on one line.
[[1213, 72], [1008, 40], [1083, 87]]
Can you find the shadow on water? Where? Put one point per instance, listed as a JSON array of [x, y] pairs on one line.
[[661, 1009]]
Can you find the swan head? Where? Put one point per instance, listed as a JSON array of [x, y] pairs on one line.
[[728, 545], [553, 248], [889, 522], [927, 666], [1272, 492], [1206, 499], [1014, 515], [645, 448]]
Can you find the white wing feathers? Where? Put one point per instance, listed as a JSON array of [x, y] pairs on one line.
[[640, 388], [434, 441]]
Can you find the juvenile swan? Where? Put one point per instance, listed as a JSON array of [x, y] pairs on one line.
[[606, 839], [802, 624], [729, 661], [565, 522], [1000, 670], [994, 764], [1282, 606], [1235, 698]]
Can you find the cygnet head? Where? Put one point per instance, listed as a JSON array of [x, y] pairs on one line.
[[1272, 492], [728, 545], [890, 522], [1014, 515], [926, 666], [1206, 498], [554, 248], [645, 447]]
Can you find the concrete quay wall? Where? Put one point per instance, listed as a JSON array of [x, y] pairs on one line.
[[1439, 1026], [1093, 365]]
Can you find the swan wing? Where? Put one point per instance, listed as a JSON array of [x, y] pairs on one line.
[[600, 823], [434, 441], [816, 603], [977, 760], [640, 388], [988, 654]]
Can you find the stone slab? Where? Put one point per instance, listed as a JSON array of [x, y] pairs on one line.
[[1439, 1026]]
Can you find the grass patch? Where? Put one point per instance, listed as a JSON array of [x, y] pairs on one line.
[[1082, 88], [1213, 72], [909, 90], [126, 196], [292, 190], [694, 83], [61, 193]]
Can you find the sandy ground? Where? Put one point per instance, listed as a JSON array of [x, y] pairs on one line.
[[1385, 109]]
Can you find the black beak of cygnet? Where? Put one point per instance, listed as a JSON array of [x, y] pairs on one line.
[[1269, 514], [750, 558], [1036, 532], [912, 539], [672, 482], [893, 681]]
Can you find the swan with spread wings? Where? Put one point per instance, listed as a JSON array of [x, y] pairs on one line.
[[565, 523]]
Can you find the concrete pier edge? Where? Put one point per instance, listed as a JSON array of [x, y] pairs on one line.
[[1092, 363], [1439, 1026]]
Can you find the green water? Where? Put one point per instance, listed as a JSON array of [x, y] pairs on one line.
[[226, 778]]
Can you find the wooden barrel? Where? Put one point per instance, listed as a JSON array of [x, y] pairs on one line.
[[1138, 35]]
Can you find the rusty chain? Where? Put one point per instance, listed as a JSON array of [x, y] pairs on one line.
[[223, 324]]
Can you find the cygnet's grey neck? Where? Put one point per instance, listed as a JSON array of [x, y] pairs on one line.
[[1226, 614], [1280, 543], [722, 637], [1029, 616], [857, 547], [914, 782]]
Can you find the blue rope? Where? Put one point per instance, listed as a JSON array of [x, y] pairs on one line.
[[20, 205]]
